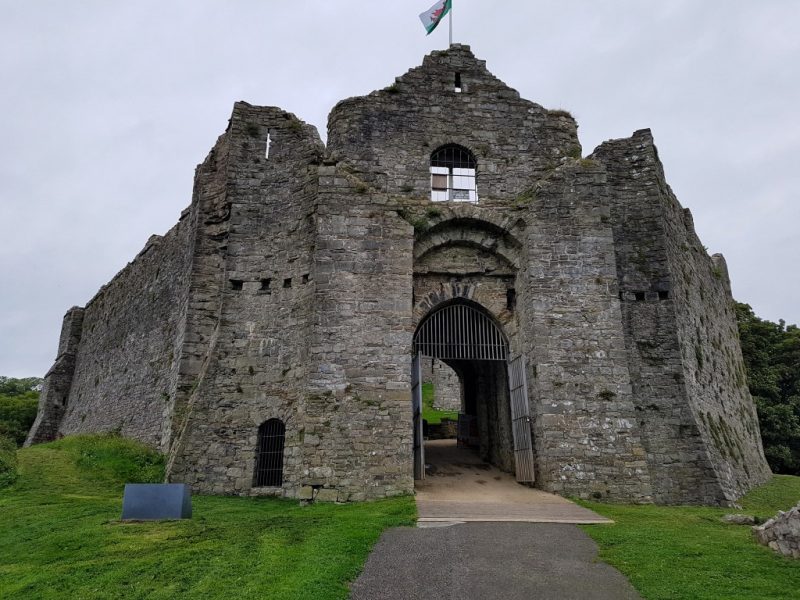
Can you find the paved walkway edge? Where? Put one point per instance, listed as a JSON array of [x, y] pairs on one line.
[[456, 518]]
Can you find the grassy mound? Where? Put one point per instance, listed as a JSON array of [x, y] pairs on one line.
[[688, 553], [60, 536]]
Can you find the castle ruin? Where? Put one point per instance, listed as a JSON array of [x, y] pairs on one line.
[[265, 343]]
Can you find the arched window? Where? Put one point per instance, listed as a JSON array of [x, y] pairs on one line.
[[453, 172], [269, 454]]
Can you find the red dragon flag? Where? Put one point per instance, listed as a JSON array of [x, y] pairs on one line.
[[434, 15]]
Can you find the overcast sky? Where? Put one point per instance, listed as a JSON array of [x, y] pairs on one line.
[[106, 108]]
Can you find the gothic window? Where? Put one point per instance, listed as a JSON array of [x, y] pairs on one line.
[[453, 174], [269, 454]]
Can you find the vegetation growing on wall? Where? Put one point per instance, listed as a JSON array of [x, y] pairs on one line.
[[772, 358]]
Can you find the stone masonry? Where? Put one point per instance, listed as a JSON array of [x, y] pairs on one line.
[[445, 382], [292, 287]]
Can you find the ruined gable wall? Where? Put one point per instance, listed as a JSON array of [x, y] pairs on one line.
[[255, 368], [389, 135], [126, 362]]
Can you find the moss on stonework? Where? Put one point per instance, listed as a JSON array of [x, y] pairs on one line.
[[418, 222], [525, 198], [560, 112]]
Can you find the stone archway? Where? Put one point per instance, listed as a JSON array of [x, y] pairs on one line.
[[464, 336]]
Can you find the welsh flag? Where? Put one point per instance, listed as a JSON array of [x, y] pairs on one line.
[[433, 16]]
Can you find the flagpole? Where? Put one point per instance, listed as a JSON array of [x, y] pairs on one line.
[[451, 24]]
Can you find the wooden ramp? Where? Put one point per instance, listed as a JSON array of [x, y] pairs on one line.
[[459, 487]]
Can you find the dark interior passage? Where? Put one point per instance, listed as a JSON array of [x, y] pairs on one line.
[[486, 410]]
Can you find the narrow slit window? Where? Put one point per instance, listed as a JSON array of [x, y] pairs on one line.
[[453, 175], [269, 454], [458, 83], [511, 298]]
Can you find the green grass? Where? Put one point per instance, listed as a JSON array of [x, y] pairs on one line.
[[688, 553], [60, 536], [432, 415]]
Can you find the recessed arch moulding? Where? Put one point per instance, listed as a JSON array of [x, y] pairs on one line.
[[292, 285]]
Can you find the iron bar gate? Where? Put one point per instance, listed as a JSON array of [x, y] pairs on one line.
[[460, 332], [521, 420], [416, 403]]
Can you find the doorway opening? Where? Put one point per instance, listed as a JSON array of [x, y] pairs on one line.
[[492, 422]]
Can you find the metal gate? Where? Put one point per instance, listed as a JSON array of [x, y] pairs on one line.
[[460, 332], [521, 420], [416, 403]]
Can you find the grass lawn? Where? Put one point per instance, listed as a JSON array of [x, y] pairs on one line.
[[681, 552], [430, 414], [60, 536]]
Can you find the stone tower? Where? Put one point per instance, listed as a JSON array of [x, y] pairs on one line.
[[277, 318]]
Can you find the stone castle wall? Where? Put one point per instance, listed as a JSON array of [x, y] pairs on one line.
[[446, 386], [713, 367], [125, 362], [588, 440], [293, 285], [256, 223], [57, 381], [676, 455]]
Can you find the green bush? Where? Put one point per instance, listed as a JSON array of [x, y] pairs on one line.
[[8, 462], [17, 414]]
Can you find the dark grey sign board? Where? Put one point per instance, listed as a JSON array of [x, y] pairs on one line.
[[156, 501]]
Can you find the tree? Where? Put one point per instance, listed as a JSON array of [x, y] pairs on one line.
[[771, 354], [18, 403]]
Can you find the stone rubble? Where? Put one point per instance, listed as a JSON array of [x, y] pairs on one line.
[[782, 532]]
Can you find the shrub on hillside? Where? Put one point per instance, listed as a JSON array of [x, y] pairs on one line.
[[8, 462], [17, 415]]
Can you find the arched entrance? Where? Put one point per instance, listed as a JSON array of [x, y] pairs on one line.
[[494, 417]]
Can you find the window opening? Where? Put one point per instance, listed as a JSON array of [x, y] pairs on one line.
[[265, 283], [511, 298], [458, 83], [305, 278], [639, 296], [269, 454], [236, 284], [663, 295], [269, 143], [287, 283], [453, 175]]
